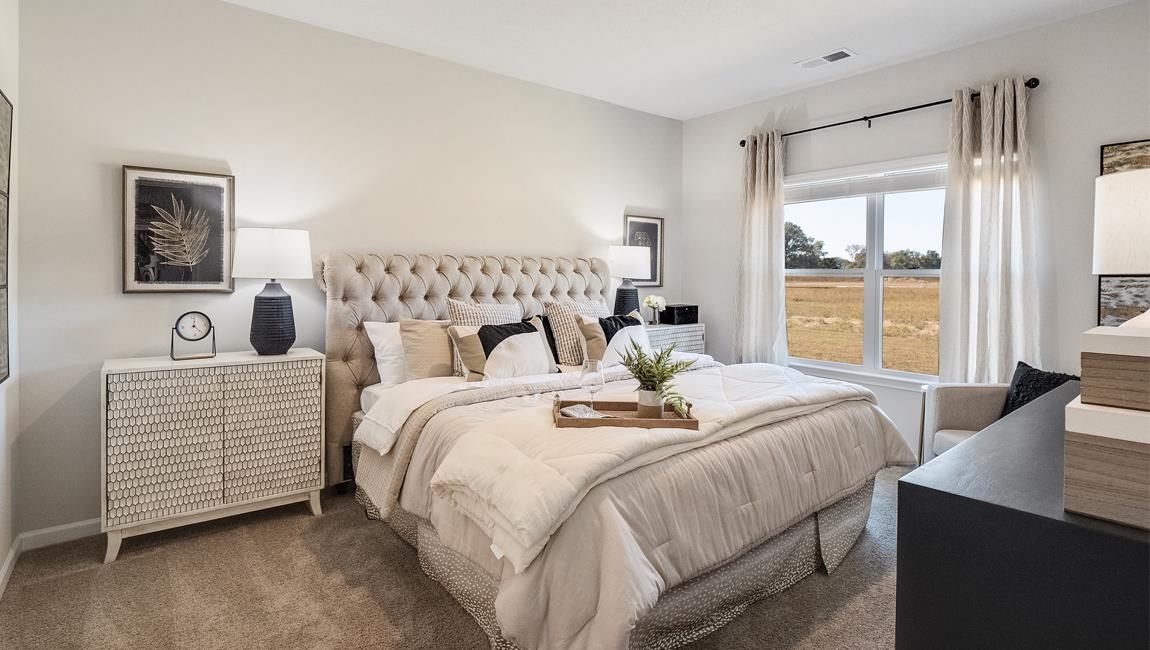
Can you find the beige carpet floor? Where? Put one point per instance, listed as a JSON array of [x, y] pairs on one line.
[[282, 579]]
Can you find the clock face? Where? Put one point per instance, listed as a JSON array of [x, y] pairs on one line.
[[193, 326]]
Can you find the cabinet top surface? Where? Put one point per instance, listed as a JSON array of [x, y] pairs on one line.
[[1015, 463], [222, 359], [673, 325]]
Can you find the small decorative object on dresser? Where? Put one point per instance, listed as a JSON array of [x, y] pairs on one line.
[[656, 304], [272, 253], [177, 230], [680, 314], [685, 338], [193, 326], [188, 441], [628, 263]]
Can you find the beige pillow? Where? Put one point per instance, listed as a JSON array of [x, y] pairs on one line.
[[427, 350], [563, 317], [476, 314]]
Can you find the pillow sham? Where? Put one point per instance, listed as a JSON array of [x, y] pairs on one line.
[[564, 320], [476, 314], [608, 339], [388, 344], [427, 348], [501, 351]]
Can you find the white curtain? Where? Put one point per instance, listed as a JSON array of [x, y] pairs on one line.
[[989, 289], [761, 315]]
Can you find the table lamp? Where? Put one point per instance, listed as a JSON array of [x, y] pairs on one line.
[[272, 253], [1122, 227], [628, 263]]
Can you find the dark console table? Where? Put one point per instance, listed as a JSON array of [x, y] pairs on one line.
[[987, 558]]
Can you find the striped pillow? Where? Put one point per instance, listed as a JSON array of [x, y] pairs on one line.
[[476, 314], [564, 321]]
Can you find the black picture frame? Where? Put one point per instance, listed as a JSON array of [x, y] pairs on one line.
[[640, 230], [178, 231], [1121, 297], [7, 124]]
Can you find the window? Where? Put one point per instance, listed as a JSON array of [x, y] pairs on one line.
[[848, 304]]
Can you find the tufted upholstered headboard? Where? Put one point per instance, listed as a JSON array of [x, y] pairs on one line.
[[373, 287]]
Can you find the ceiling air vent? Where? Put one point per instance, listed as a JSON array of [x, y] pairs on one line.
[[831, 57]]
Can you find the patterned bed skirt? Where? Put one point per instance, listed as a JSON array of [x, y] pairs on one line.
[[684, 613]]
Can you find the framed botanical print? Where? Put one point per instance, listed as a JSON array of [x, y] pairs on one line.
[[1122, 297], [648, 232], [178, 230]]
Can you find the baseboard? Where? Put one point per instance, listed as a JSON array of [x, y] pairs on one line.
[[9, 564], [58, 534]]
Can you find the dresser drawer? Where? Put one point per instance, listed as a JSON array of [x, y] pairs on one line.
[[686, 338]]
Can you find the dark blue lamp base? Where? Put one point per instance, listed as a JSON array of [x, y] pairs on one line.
[[626, 298], [273, 323]]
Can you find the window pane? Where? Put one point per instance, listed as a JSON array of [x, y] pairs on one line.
[[825, 318], [826, 234], [912, 229], [910, 324]]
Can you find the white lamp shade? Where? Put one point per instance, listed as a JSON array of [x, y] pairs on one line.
[[272, 253], [632, 262], [1122, 223]]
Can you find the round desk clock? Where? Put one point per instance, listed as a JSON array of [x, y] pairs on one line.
[[193, 326]]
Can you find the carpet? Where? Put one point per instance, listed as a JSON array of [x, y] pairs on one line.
[[286, 580]]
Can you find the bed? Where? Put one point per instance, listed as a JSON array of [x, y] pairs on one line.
[[641, 543]]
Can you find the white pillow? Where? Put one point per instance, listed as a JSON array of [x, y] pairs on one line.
[[388, 346], [609, 339]]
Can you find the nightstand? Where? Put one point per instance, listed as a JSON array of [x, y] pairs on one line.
[[189, 441], [687, 338]]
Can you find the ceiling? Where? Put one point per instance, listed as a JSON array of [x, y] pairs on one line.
[[677, 58]]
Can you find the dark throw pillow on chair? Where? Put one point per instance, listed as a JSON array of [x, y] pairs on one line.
[[1031, 383]]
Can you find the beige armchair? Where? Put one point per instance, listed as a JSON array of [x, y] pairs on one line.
[[954, 412]]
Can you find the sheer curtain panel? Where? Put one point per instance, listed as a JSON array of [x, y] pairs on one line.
[[988, 297], [761, 315]]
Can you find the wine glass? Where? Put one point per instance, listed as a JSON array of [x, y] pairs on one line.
[[592, 378]]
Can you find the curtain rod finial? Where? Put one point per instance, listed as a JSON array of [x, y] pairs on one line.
[[1032, 82], [742, 143]]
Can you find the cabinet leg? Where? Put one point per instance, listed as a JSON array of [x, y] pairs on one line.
[[114, 539], [313, 503]]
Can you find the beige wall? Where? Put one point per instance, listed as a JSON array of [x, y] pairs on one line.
[[1095, 73], [9, 404], [367, 146]]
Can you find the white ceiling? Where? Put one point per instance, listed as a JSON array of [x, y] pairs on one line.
[[677, 58]]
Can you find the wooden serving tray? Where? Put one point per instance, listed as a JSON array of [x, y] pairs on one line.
[[626, 415]]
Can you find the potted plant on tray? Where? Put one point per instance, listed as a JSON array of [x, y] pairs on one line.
[[655, 372]]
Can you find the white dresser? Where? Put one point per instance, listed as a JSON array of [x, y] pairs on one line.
[[687, 338], [188, 441]]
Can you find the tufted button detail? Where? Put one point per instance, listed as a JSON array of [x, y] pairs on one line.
[[344, 299]]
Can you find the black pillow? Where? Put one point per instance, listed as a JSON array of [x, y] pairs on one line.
[[1031, 383]]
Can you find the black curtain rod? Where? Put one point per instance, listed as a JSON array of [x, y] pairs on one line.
[[1030, 83]]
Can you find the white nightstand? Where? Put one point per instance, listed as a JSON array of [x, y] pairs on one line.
[[687, 338], [188, 441]]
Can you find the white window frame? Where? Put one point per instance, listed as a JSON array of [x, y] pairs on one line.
[[873, 181]]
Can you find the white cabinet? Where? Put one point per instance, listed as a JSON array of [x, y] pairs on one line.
[[189, 441], [687, 338]]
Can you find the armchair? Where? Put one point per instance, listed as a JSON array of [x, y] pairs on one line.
[[954, 412]]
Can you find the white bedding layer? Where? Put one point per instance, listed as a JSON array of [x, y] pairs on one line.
[[638, 534]]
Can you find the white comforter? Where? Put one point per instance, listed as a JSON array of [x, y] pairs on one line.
[[519, 478]]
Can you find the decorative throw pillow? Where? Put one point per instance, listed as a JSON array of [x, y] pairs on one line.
[[388, 344], [427, 348], [549, 333], [608, 339], [564, 320], [1029, 384], [500, 351], [475, 314]]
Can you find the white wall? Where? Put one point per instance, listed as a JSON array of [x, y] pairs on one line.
[[368, 146], [1095, 73], [9, 400]]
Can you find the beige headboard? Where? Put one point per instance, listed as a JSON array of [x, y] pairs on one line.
[[373, 287]]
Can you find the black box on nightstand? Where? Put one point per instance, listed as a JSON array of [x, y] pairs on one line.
[[679, 315]]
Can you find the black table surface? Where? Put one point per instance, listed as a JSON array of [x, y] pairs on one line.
[[1017, 463]]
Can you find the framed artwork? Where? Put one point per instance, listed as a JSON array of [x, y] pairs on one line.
[[178, 231], [646, 231], [6, 120], [1122, 297]]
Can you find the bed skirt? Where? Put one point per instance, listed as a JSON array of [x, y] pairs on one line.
[[684, 613]]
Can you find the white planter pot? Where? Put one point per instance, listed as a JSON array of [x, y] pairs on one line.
[[650, 406]]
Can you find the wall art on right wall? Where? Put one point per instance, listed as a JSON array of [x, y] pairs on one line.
[[1122, 297], [6, 122]]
